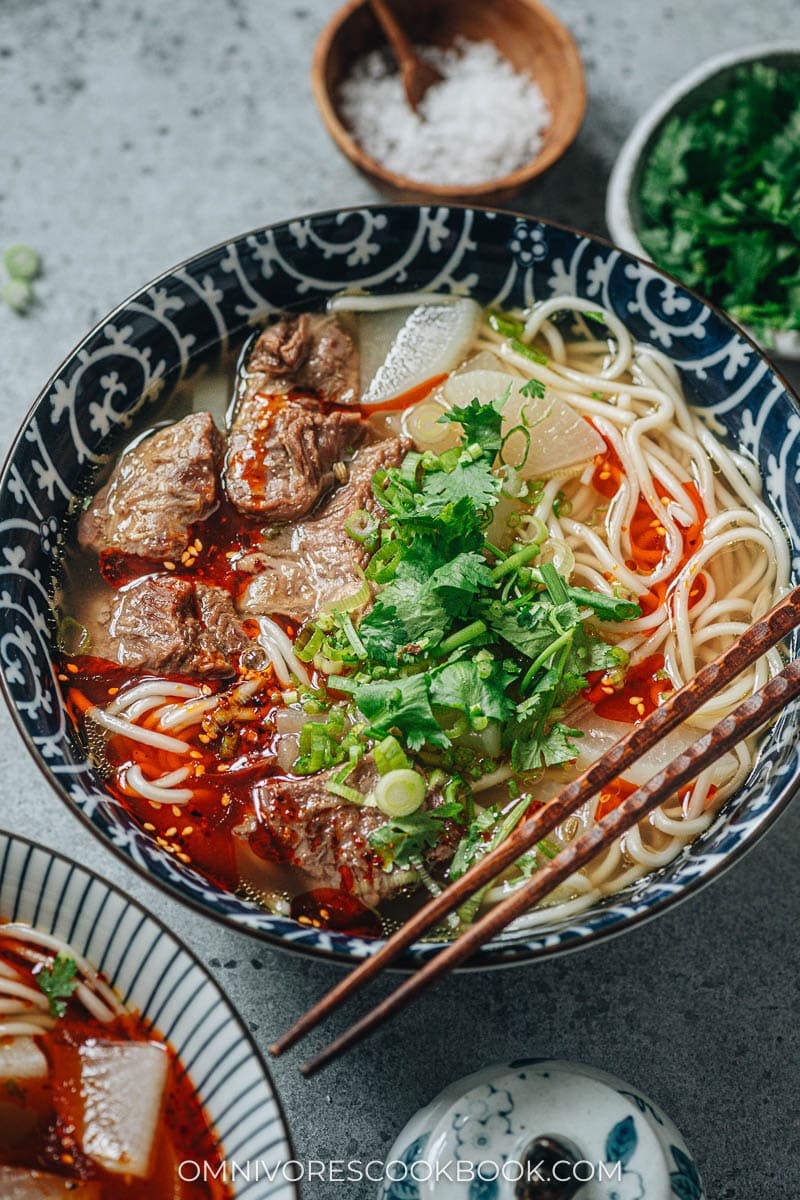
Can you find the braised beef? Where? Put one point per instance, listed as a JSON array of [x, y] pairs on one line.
[[305, 352], [159, 489], [328, 838], [171, 626], [284, 441], [307, 566]]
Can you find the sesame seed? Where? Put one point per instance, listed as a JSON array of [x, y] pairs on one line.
[[112, 691], [199, 769], [171, 831], [149, 827], [195, 754], [63, 678], [225, 801], [634, 700], [187, 830], [73, 670], [176, 812], [198, 545], [170, 566]]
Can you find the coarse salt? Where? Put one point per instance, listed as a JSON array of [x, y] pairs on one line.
[[482, 121]]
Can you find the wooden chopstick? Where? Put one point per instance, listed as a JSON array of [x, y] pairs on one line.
[[754, 642], [749, 716]]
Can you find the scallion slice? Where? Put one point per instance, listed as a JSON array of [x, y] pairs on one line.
[[22, 262], [400, 793], [390, 756], [362, 526], [18, 294], [347, 604]]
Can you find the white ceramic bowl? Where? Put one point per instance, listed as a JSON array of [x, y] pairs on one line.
[[698, 85], [156, 974]]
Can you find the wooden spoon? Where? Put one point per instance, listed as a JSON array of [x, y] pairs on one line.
[[417, 74]]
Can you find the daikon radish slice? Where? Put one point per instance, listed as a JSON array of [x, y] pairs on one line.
[[122, 1089], [433, 339], [543, 435], [21, 1059], [19, 1183], [600, 735]]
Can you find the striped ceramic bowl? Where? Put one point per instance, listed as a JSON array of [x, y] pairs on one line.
[[155, 973]]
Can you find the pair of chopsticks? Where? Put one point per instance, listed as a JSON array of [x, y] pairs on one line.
[[749, 716]]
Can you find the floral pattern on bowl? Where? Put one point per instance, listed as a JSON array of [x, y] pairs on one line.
[[471, 1142], [141, 350]]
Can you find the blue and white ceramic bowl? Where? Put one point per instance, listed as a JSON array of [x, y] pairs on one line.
[[477, 1140], [157, 337], [154, 973]]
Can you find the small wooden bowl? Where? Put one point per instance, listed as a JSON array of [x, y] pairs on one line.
[[526, 32]]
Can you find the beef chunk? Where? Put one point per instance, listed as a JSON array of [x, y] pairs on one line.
[[305, 352], [281, 454], [157, 491], [283, 445], [328, 838], [171, 626], [309, 565]]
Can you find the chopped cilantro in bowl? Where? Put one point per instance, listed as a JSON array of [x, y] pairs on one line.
[[708, 187]]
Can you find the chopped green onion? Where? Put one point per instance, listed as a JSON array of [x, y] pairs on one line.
[[562, 507], [347, 604], [409, 469], [22, 262], [461, 637], [72, 637], [518, 559], [18, 294], [351, 794], [531, 352], [390, 756], [505, 324], [400, 793], [383, 564], [362, 526], [359, 649], [532, 529], [306, 647]]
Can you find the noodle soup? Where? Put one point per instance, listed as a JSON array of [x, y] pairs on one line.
[[438, 562], [92, 1104]]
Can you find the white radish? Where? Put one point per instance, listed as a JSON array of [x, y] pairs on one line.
[[544, 436], [122, 1090], [21, 1183], [432, 340], [21, 1058]]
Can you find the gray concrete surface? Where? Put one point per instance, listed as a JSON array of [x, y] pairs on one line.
[[135, 134]]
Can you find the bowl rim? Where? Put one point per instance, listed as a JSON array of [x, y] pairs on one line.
[[618, 214], [500, 958], [510, 182], [32, 844]]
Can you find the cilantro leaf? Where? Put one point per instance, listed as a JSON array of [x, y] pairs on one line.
[[720, 197], [402, 704], [539, 749], [534, 389], [404, 841], [460, 579], [473, 481], [461, 686], [407, 611], [474, 843], [58, 983], [482, 423]]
